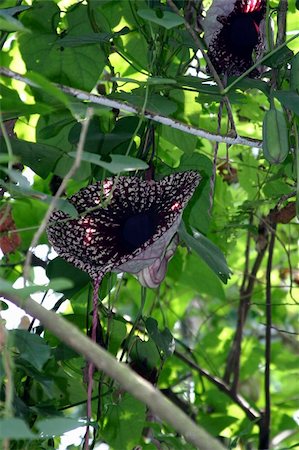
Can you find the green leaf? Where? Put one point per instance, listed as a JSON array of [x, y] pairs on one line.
[[49, 88], [12, 106], [119, 163], [79, 279], [32, 348], [289, 99], [145, 356], [44, 53], [8, 23], [280, 57], [41, 158], [163, 339], [15, 428], [207, 251], [117, 333], [294, 78], [166, 19], [123, 423], [156, 104], [56, 426]]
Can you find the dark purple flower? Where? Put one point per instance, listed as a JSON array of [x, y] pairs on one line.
[[125, 224], [233, 32]]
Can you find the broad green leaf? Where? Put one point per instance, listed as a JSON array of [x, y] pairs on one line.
[[32, 348], [23, 189], [185, 142], [49, 88], [44, 53], [165, 19], [163, 339], [12, 106], [123, 423], [56, 426], [41, 158], [145, 356], [294, 78], [208, 252], [119, 163], [156, 104], [58, 266], [117, 333], [15, 428], [289, 99]]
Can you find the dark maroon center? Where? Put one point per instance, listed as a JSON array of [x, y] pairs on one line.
[[242, 35], [137, 229]]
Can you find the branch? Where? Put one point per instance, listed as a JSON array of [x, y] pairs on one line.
[[281, 22], [126, 107], [265, 425], [250, 412], [233, 359], [126, 377]]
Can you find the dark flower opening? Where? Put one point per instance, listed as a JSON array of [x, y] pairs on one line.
[[232, 32], [243, 35], [132, 233], [137, 229]]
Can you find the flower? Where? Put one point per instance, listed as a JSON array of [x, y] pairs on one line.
[[232, 32], [124, 224]]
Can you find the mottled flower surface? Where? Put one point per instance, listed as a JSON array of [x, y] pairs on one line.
[[131, 232], [233, 32]]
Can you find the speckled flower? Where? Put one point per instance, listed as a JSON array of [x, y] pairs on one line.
[[233, 32], [133, 233]]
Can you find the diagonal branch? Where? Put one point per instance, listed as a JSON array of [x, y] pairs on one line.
[[126, 377], [250, 412], [126, 107]]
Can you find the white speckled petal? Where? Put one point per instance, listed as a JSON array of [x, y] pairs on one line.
[[103, 238]]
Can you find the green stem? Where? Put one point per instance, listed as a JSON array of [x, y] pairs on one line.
[[296, 135], [258, 63], [7, 142]]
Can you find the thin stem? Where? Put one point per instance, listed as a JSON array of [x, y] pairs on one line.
[[60, 190], [7, 143], [135, 324], [265, 428], [216, 147], [233, 359], [258, 63], [90, 366], [281, 21]]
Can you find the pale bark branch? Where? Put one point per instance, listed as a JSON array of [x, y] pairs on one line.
[[126, 107], [126, 377]]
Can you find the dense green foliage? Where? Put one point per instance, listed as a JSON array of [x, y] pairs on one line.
[[140, 53]]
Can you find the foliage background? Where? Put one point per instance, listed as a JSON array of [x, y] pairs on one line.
[[129, 52]]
